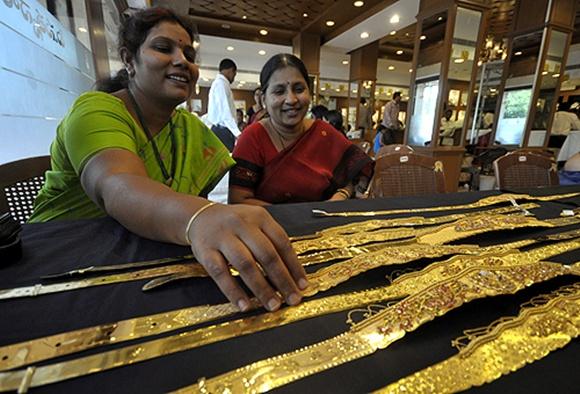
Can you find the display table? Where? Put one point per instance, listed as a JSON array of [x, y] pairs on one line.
[[61, 246]]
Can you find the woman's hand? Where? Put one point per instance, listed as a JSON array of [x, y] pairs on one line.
[[247, 238]]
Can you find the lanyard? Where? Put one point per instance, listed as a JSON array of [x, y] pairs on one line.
[[166, 175]]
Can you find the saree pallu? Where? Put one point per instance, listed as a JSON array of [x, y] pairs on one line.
[[311, 169]]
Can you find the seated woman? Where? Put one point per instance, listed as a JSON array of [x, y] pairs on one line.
[[570, 174], [128, 152], [288, 158]]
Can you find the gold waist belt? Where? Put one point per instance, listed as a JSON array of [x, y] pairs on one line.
[[505, 347], [45, 348], [381, 330], [20, 354], [484, 202]]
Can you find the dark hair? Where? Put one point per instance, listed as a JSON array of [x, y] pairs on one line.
[[319, 111], [335, 119], [238, 110], [133, 34], [363, 100], [226, 64], [396, 94], [278, 62]]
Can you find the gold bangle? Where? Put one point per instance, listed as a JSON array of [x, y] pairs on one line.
[[344, 192], [193, 217]]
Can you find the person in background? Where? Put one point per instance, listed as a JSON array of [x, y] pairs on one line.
[[319, 112], [257, 107], [240, 119], [446, 128], [221, 111], [379, 138], [128, 152], [287, 157], [364, 114], [391, 116], [334, 117], [570, 174], [565, 121]]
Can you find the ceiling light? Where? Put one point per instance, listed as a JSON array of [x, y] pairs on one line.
[[458, 60], [440, 18], [364, 35], [423, 37], [82, 29], [264, 32], [329, 23], [345, 62], [305, 15], [262, 52], [230, 48], [518, 53], [393, 32], [544, 73], [410, 70], [391, 68], [358, 3], [394, 19], [323, 88], [242, 82], [399, 52], [226, 26], [556, 75], [244, 17]]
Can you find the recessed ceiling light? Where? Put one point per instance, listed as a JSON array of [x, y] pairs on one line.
[[329, 23], [393, 32], [459, 60], [264, 32], [440, 18], [244, 17], [345, 62], [391, 68], [364, 34], [358, 3], [423, 37], [82, 29], [518, 53], [262, 52], [399, 52], [410, 70], [230, 48], [305, 15], [544, 73], [394, 19], [323, 88]]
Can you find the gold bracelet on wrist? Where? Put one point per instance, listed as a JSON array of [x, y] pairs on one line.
[[192, 219], [344, 192]]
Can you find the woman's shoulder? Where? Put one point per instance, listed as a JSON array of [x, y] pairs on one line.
[[326, 128]]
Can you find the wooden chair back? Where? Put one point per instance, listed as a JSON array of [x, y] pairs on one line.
[[525, 169], [406, 174], [20, 182]]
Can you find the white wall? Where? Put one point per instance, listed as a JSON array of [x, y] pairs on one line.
[[43, 68]]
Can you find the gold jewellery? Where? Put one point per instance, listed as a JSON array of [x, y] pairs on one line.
[[382, 329], [484, 202], [502, 348]]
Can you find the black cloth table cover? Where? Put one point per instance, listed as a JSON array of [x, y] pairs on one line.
[[61, 246]]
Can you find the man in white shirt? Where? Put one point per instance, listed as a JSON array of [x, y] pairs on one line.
[[564, 122], [221, 111]]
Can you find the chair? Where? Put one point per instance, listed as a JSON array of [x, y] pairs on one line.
[[525, 169], [394, 149], [406, 174], [20, 182]]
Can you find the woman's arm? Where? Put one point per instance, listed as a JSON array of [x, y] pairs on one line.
[[243, 236], [244, 196]]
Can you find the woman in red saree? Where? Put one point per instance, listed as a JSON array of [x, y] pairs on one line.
[[287, 158]]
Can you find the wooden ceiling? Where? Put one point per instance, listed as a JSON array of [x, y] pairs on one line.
[[284, 19]]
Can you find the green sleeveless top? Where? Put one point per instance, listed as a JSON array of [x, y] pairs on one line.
[[98, 121]]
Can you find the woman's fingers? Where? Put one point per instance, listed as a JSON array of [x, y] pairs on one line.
[[238, 255], [281, 242], [267, 256], [218, 270]]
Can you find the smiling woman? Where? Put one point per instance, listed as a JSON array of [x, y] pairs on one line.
[[288, 158], [128, 152]]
